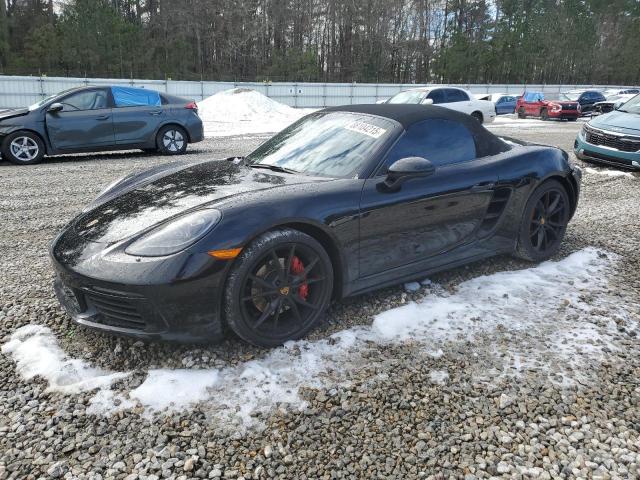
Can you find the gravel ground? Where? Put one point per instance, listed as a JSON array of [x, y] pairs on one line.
[[390, 410]]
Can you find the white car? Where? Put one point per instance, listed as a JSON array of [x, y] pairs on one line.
[[612, 92], [449, 97]]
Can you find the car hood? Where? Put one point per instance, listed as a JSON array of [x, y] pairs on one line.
[[15, 112], [145, 203], [618, 121], [562, 102]]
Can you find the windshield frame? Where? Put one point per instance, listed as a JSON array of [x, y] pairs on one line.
[[634, 102], [368, 166], [421, 93], [50, 99], [565, 96]]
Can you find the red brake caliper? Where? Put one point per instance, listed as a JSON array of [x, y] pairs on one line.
[[297, 267]]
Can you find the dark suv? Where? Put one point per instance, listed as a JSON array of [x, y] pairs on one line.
[[92, 119], [586, 98]]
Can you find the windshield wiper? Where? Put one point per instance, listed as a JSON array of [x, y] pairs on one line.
[[274, 168]]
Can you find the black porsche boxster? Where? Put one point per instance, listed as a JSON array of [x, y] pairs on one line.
[[345, 200]]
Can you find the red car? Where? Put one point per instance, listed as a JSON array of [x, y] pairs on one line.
[[533, 104]]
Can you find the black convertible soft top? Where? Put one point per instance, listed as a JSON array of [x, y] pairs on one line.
[[408, 114]]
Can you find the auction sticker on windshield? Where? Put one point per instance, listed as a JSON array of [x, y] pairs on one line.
[[366, 129]]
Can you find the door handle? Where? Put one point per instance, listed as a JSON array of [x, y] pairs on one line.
[[103, 117], [156, 112], [478, 187]]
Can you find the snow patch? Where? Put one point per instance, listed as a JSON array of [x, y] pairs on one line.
[[548, 308], [412, 286], [242, 111], [35, 350], [438, 376], [174, 389], [609, 173]]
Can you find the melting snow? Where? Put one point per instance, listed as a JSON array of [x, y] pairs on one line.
[[549, 300], [35, 350], [242, 111], [438, 376], [609, 173]]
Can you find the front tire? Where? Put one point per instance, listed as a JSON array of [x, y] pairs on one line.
[[544, 114], [544, 222], [278, 288], [23, 148], [522, 113], [172, 140]]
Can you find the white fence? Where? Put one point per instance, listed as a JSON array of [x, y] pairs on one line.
[[23, 91]]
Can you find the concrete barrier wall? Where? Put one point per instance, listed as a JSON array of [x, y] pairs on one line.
[[22, 91]]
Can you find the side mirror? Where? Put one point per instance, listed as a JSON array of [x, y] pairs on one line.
[[55, 107], [404, 169], [427, 101]]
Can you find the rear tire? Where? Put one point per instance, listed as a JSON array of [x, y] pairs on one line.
[[544, 222], [478, 116], [172, 140], [278, 288], [544, 114], [521, 113], [23, 148]]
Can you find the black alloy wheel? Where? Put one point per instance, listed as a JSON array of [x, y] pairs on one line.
[[279, 288], [544, 222]]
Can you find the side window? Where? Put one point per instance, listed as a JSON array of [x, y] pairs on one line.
[[440, 141], [437, 96], [89, 100], [135, 97], [455, 95]]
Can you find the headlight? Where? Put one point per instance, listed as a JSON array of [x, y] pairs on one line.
[[176, 235]]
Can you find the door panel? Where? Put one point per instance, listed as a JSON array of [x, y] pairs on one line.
[[136, 125], [426, 217], [69, 130]]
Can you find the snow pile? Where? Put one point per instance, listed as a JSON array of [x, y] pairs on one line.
[[242, 111], [35, 350], [547, 307], [609, 173]]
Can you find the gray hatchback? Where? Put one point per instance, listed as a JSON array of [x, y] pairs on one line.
[[93, 119]]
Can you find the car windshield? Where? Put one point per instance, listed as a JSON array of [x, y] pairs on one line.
[[332, 144], [410, 96], [631, 106], [571, 96], [44, 101]]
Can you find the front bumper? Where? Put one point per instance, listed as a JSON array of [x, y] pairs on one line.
[[564, 114], [605, 155], [153, 304]]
